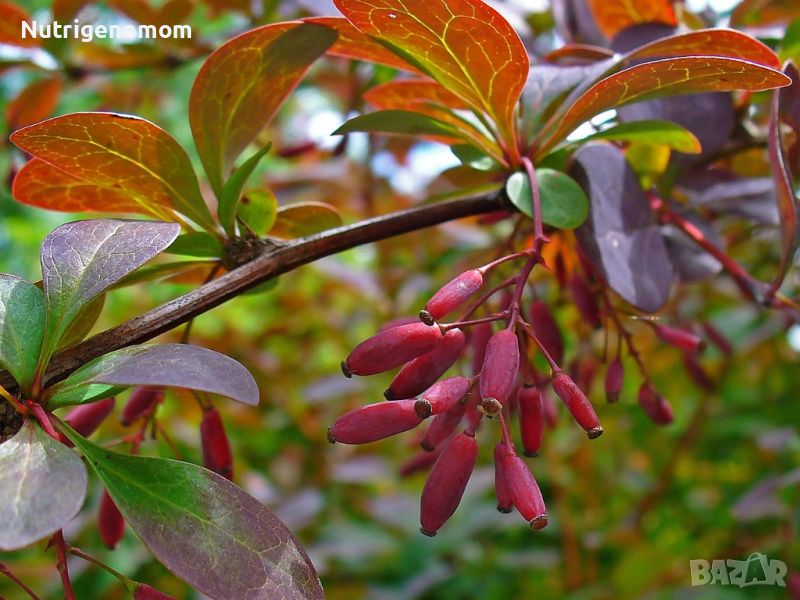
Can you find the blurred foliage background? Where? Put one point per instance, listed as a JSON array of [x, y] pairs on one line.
[[628, 511]]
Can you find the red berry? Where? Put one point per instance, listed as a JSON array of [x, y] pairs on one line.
[[655, 406], [110, 522], [577, 403], [422, 372], [546, 330], [444, 395], [452, 295], [442, 426], [140, 403], [524, 491], [504, 502], [531, 420], [549, 408], [391, 348], [86, 418], [374, 422], [145, 592], [478, 338], [446, 483], [680, 338], [217, 454], [500, 366], [584, 300], [614, 376]]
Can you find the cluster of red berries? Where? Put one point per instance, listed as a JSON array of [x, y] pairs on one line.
[[502, 385]]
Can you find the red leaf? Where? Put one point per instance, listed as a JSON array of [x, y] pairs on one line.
[[613, 16], [355, 45], [33, 103], [40, 184], [463, 44], [243, 83], [128, 154], [670, 77], [11, 18]]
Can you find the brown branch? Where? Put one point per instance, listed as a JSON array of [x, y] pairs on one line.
[[275, 261]]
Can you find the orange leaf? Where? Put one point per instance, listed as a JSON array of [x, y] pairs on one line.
[[670, 77], [11, 18], [355, 45], [465, 45], [243, 83], [304, 218], [33, 103], [129, 154], [42, 185], [612, 16], [764, 12]]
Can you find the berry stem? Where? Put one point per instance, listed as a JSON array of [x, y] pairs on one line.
[[489, 266], [521, 280], [536, 206], [130, 584], [480, 301], [506, 435], [445, 327], [5, 571], [61, 551], [612, 312], [532, 334]]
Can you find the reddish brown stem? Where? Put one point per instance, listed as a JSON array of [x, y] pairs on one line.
[[61, 551], [5, 571]]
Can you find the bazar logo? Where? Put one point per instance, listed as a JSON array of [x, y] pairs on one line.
[[756, 570]]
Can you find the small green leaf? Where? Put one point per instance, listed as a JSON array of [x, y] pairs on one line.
[[402, 122], [662, 133], [42, 487], [258, 210], [197, 243], [203, 528], [564, 205], [22, 320], [471, 157], [232, 190], [83, 323]]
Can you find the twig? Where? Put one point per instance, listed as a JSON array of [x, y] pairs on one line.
[[5, 571]]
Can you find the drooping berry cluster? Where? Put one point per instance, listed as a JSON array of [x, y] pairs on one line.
[[505, 381]]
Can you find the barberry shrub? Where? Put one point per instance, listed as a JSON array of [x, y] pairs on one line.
[[601, 167]]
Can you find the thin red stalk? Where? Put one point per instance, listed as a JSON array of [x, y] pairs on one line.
[[536, 206], [44, 420], [531, 334], [129, 583], [479, 302], [487, 267], [521, 280], [504, 429], [61, 551], [5, 571], [612, 312], [461, 324]]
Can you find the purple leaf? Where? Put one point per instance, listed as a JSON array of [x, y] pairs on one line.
[[81, 260], [621, 236], [205, 529], [168, 365], [42, 486], [723, 191], [691, 262]]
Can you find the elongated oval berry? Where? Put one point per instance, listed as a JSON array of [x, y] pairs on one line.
[[531, 420], [549, 408], [442, 427], [391, 348], [422, 372], [110, 522], [577, 403], [374, 422], [500, 366], [546, 330], [446, 483], [445, 394], [613, 383], [86, 418], [584, 300], [501, 489], [525, 493], [655, 406], [146, 592], [679, 338], [452, 295], [217, 455], [141, 401]]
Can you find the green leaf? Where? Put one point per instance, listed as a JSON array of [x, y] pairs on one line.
[[402, 122], [203, 528], [197, 243], [474, 158], [83, 323], [662, 133], [232, 190], [175, 365], [81, 260], [564, 205], [258, 210], [22, 320], [42, 487]]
